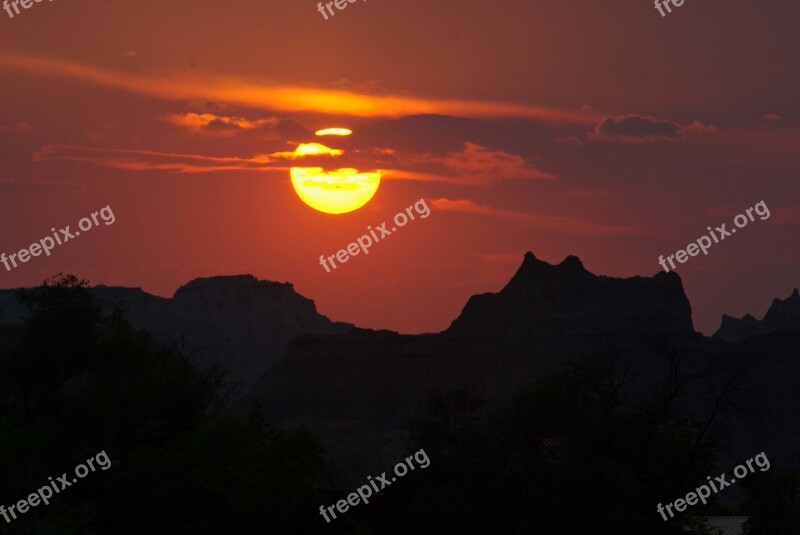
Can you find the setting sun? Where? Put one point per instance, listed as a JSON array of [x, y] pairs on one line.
[[334, 192], [337, 191]]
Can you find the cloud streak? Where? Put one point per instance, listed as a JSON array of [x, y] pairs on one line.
[[786, 216], [20, 128], [486, 165], [216, 125], [147, 160], [560, 224], [473, 165], [289, 98], [16, 186]]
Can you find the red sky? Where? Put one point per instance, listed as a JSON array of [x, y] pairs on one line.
[[597, 129]]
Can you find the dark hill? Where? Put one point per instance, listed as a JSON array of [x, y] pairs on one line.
[[241, 322], [783, 314]]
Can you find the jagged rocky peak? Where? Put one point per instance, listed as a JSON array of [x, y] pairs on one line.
[[544, 298], [574, 263], [534, 272], [531, 264], [783, 314], [570, 261]]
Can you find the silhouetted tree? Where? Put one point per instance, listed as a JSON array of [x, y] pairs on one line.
[[75, 380], [564, 456], [774, 503]]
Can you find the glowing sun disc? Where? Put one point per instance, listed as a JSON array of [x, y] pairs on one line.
[[334, 192], [333, 132]]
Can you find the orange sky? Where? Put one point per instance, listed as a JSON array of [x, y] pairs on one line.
[[597, 129]]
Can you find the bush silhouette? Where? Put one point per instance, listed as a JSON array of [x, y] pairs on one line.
[[76, 380]]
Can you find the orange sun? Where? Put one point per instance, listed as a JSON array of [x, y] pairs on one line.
[[337, 191]]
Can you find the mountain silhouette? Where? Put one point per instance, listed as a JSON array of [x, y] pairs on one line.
[[358, 388], [239, 321], [546, 316], [565, 298], [349, 386], [782, 315]]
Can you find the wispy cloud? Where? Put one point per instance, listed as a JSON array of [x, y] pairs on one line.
[[473, 165], [20, 128], [151, 160], [147, 160], [486, 165], [16, 186], [786, 216], [417, 176], [272, 96], [561, 224], [569, 141], [216, 125]]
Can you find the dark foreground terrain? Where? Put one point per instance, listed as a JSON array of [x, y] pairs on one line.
[[565, 403]]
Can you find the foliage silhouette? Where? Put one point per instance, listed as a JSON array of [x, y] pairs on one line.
[[75, 380]]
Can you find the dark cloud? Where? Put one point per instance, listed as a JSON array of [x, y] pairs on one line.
[[635, 128], [442, 134], [644, 129]]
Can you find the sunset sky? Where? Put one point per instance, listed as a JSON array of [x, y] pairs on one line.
[[570, 127]]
